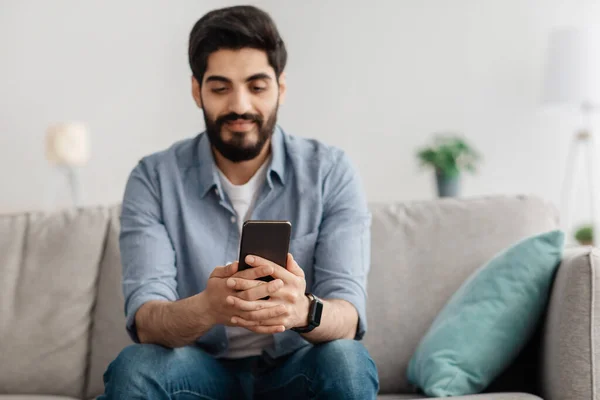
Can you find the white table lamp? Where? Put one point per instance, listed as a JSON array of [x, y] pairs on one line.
[[573, 79]]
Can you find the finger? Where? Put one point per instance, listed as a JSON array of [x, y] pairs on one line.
[[225, 271], [239, 321], [266, 329], [261, 291], [283, 321], [255, 273], [243, 284], [270, 313], [244, 305], [278, 271], [293, 266]]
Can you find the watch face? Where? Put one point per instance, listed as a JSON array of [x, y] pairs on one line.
[[318, 312]]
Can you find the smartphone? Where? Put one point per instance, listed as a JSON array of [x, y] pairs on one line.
[[266, 239]]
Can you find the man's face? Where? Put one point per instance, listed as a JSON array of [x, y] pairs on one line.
[[240, 96]]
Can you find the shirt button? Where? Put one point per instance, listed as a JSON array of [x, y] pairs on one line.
[[233, 220], [217, 192]]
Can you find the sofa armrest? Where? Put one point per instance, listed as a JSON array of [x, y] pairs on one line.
[[571, 345]]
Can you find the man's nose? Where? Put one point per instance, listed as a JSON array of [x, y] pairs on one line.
[[239, 102]]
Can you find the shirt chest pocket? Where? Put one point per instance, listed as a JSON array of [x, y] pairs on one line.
[[303, 250]]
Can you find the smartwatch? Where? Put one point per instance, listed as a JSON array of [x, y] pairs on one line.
[[315, 310]]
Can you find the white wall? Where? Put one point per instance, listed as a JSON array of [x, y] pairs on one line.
[[376, 78]]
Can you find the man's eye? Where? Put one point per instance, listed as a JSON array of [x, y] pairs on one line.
[[257, 89], [219, 90]]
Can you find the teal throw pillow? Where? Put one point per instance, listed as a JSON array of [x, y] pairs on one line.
[[487, 322]]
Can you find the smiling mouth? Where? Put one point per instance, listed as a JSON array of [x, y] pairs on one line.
[[240, 124]]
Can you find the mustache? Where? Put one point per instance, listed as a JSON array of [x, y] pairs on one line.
[[234, 116]]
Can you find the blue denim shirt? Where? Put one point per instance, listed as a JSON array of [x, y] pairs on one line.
[[177, 225]]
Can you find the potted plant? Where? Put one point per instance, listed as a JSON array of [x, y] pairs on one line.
[[585, 235], [449, 155]]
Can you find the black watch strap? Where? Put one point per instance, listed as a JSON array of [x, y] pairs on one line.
[[315, 310]]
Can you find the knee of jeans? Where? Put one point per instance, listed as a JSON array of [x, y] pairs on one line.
[[134, 362], [347, 361]]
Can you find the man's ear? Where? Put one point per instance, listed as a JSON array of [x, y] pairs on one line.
[[196, 92], [282, 88]]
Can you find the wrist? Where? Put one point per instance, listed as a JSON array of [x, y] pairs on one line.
[[204, 312], [313, 317], [304, 311]]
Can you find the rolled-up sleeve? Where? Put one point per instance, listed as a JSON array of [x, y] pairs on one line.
[[147, 253], [342, 253]]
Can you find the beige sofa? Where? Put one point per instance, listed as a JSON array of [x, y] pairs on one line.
[[61, 307]]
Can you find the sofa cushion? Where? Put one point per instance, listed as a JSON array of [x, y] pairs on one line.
[[109, 336], [488, 320], [48, 264], [421, 254]]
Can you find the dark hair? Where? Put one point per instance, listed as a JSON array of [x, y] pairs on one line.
[[235, 28]]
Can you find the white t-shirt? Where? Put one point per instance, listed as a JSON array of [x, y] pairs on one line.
[[242, 342]]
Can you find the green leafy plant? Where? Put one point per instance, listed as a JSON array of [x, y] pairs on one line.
[[449, 155], [585, 234]]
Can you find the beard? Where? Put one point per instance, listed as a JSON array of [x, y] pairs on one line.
[[236, 149]]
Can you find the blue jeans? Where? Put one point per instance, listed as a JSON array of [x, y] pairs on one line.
[[341, 369]]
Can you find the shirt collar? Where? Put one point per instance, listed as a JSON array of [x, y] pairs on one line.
[[278, 155], [208, 177]]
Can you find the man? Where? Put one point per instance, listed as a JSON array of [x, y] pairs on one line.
[[206, 332]]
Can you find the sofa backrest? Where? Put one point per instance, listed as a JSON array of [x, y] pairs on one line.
[[108, 335], [48, 271], [420, 255]]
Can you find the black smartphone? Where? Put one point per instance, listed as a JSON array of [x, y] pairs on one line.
[[266, 239]]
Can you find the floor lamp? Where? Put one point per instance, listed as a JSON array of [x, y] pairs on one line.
[[573, 78], [67, 147]]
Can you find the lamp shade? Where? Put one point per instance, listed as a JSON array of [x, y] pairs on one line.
[[573, 67], [68, 144]]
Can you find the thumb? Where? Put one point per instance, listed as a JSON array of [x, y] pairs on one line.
[[226, 271], [231, 269], [293, 266]]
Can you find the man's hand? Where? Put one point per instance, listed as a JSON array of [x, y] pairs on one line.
[[219, 288], [287, 307]]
